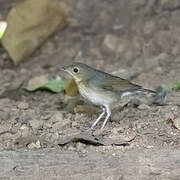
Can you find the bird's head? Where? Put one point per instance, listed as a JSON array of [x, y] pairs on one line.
[[79, 71]]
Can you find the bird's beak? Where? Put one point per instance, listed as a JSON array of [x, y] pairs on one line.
[[63, 69]]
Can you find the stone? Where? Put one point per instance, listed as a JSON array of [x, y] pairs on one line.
[[58, 122], [48, 125], [61, 125], [80, 147], [57, 116], [143, 107], [34, 145], [177, 123], [24, 127]]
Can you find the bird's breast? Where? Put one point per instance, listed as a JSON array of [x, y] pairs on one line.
[[96, 95]]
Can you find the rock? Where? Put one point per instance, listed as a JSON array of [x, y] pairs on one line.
[[34, 145], [61, 125], [80, 147], [56, 117], [26, 131], [71, 148], [118, 130], [177, 123], [58, 122], [23, 127], [26, 136], [48, 125], [143, 107], [23, 105]]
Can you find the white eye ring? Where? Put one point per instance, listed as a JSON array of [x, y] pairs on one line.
[[75, 70]]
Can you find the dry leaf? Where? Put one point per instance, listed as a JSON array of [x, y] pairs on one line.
[[30, 23]]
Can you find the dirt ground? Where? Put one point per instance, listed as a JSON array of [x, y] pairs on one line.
[[138, 40]]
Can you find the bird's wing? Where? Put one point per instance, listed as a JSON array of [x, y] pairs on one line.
[[113, 83], [120, 85]]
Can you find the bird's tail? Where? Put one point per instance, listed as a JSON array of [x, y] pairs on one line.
[[142, 90], [137, 91]]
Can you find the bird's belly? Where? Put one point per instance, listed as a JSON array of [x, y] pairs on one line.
[[96, 96]]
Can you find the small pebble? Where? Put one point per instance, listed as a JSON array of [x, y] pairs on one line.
[[177, 123], [143, 107], [80, 147], [23, 127], [35, 145], [61, 125], [57, 117]]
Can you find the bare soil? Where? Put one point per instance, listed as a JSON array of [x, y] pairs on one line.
[[138, 40]]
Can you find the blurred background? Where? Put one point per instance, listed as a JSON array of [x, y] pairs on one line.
[[135, 39]]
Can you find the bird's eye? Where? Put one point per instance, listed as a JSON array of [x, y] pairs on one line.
[[76, 70]]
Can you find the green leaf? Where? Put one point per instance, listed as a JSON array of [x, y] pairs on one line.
[[176, 87], [38, 83], [55, 85]]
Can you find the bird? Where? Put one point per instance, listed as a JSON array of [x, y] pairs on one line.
[[101, 88]]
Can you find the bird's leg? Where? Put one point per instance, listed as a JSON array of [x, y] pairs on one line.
[[108, 111], [97, 120]]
